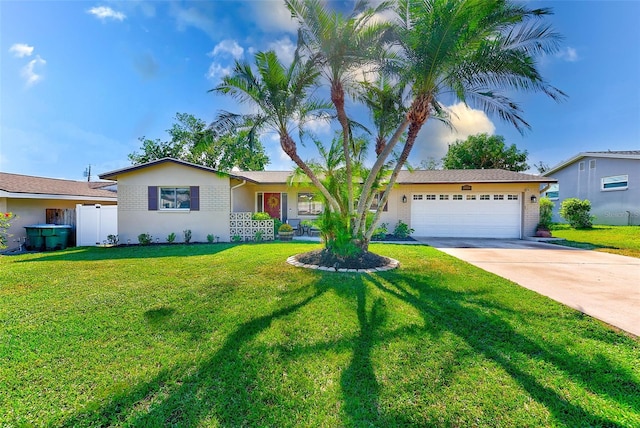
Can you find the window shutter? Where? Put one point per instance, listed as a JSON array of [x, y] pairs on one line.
[[153, 198], [195, 198]]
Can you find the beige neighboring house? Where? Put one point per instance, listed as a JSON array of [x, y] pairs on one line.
[[39, 200], [169, 195]]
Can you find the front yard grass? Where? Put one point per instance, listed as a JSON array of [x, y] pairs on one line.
[[230, 335], [623, 240]]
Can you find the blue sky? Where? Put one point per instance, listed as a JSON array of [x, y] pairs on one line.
[[81, 81]]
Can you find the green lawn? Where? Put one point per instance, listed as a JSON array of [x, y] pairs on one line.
[[624, 240], [230, 335]]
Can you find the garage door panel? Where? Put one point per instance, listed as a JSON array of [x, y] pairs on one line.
[[493, 218]]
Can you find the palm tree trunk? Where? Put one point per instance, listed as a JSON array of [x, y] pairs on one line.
[[337, 98], [289, 147], [418, 115], [375, 170]]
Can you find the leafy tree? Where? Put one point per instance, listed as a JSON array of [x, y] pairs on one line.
[[485, 151], [193, 141]]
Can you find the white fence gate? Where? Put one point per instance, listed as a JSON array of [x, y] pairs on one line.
[[94, 223]]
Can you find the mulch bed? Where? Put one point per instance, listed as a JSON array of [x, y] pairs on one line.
[[393, 238], [366, 260]]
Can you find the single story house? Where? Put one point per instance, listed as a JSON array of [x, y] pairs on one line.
[[169, 196], [609, 180], [39, 200]]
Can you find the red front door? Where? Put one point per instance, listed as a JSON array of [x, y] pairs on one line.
[[272, 204]]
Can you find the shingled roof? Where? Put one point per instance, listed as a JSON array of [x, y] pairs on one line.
[[469, 176], [26, 184], [421, 177]]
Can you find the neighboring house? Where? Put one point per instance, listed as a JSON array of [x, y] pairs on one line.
[[609, 180], [39, 200], [169, 196]]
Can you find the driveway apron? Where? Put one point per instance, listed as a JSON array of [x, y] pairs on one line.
[[604, 286]]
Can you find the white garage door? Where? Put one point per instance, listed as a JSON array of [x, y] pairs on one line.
[[477, 215]]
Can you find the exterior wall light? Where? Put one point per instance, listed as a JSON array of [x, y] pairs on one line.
[[534, 199], [404, 199]]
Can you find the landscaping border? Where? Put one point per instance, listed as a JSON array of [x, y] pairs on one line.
[[393, 264]]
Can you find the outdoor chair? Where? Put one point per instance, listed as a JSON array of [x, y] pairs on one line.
[[295, 225]]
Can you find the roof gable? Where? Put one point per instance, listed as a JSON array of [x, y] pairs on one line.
[[113, 175]]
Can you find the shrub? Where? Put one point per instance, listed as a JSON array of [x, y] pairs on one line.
[[261, 216], [577, 212], [187, 235], [284, 227], [546, 212], [276, 225], [236, 238], [210, 238], [145, 239], [258, 236], [402, 230], [380, 233], [5, 223], [113, 239], [171, 238]]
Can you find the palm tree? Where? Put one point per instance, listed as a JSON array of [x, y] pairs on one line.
[[341, 46], [475, 51], [280, 95]]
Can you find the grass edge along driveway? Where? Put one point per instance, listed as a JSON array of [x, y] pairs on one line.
[[621, 240], [230, 335]]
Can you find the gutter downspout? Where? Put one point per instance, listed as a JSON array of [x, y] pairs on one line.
[[231, 193]]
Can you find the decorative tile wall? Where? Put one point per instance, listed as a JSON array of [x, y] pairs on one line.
[[240, 224]]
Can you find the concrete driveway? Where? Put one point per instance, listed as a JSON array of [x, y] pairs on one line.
[[604, 286]]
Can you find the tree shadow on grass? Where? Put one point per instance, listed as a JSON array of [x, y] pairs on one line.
[[493, 337], [84, 254], [221, 387], [225, 389]]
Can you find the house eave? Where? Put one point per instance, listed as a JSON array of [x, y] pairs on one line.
[[20, 195], [583, 155]]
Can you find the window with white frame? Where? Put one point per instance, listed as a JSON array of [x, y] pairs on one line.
[[417, 197], [616, 182], [175, 198], [457, 197], [444, 197], [309, 204], [485, 197], [512, 197], [431, 197]]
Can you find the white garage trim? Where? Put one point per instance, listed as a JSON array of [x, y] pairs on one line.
[[467, 215]]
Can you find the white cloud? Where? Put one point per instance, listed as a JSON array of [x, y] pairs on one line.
[[273, 16], [434, 138], [192, 17], [21, 50], [320, 125], [217, 71], [104, 12], [29, 71], [230, 47], [285, 49], [568, 54]]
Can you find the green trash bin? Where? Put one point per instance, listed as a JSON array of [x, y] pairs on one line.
[[36, 240], [56, 237], [48, 236]]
